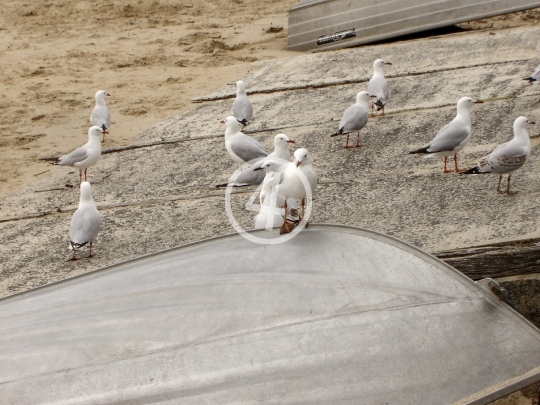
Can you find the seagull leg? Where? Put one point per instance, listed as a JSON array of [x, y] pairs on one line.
[[358, 144], [456, 165], [382, 111], [499, 185], [347, 143], [73, 257], [372, 112], [85, 172], [445, 169], [90, 254], [286, 227], [508, 187]]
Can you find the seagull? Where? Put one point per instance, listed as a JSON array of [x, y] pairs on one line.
[[85, 156], [453, 136], [250, 176], [534, 77], [355, 118], [242, 148], [101, 117], [272, 203], [508, 157], [377, 86], [85, 222], [299, 180], [242, 108]]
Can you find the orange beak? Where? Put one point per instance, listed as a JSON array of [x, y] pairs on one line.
[[478, 102]]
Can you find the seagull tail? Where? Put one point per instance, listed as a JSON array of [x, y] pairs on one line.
[[379, 104], [529, 79], [244, 122], [232, 184], [473, 170], [75, 246], [338, 132], [421, 150]]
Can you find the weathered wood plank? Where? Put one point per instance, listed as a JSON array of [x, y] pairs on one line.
[[496, 260]]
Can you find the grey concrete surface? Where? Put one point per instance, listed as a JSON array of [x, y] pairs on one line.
[[163, 196]]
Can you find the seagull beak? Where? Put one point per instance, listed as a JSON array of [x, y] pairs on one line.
[[478, 102], [290, 141], [372, 96], [532, 122], [222, 121], [107, 94], [258, 168], [231, 84], [297, 163], [388, 63]]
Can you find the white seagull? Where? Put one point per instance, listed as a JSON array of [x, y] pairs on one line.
[[85, 222], [251, 176], [299, 180], [101, 117], [534, 77], [453, 136], [242, 108], [242, 148], [272, 203], [508, 157], [85, 156], [355, 118], [378, 87]]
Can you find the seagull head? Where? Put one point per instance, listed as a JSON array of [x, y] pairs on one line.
[[230, 122], [282, 139], [101, 94], [240, 87], [467, 101], [301, 156], [268, 166], [379, 63], [94, 132], [86, 191], [522, 122]]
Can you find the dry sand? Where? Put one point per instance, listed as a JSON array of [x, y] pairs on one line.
[[153, 57]]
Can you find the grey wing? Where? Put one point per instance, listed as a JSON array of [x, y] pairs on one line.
[[84, 225], [507, 158], [247, 148], [101, 116], [354, 119], [77, 156], [250, 176], [378, 86], [242, 108], [449, 138]]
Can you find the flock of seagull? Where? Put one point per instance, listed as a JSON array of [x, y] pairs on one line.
[[282, 181]]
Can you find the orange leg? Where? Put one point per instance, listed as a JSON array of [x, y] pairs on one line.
[[90, 254], [445, 169], [347, 143], [456, 165], [358, 144], [499, 185], [508, 187]]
